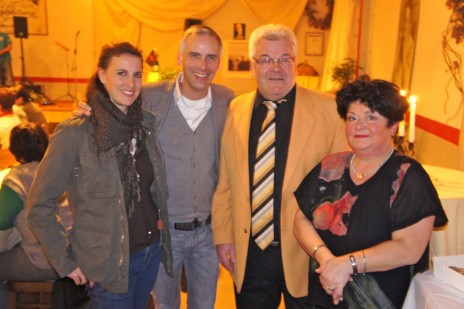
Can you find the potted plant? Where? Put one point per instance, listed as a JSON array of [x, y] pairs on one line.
[[345, 72]]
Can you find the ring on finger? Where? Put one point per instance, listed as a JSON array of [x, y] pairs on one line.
[[330, 288]]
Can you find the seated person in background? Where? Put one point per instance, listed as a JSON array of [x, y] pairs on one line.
[[7, 119], [27, 110], [26, 261], [369, 211]]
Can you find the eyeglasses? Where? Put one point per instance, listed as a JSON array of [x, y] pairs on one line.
[[266, 62]]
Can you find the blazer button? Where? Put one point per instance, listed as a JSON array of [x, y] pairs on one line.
[[245, 231]]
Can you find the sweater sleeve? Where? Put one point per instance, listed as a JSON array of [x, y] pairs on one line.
[[10, 206]]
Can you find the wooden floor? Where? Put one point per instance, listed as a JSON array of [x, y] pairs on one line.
[[225, 293]]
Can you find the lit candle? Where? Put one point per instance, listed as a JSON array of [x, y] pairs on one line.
[[412, 118], [401, 128]]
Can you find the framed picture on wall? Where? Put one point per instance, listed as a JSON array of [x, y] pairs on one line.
[[314, 44], [35, 13], [239, 31], [235, 61]]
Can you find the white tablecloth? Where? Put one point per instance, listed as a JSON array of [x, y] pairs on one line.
[[450, 186], [429, 292]]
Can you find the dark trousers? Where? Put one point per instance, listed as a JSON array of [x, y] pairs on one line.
[[264, 281]]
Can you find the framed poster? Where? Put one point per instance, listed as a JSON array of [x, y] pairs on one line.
[[314, 44], [239, 31], [34, 10], [235, 62]]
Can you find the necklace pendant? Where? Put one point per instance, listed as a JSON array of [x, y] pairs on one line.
[[360, 176]]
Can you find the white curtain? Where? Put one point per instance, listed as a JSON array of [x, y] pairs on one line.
[[286, 12], [343, 40]]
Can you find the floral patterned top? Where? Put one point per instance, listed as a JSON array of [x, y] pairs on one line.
[[351, 217]]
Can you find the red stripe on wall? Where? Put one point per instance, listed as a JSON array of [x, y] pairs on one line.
[[439, 129]]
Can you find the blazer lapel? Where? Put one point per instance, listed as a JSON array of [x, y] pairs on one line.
[[241, 136], [302, 125]]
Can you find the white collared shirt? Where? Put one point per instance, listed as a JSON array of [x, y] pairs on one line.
[[193, 110]]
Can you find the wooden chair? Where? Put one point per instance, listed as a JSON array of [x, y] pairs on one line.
[[24, 294]]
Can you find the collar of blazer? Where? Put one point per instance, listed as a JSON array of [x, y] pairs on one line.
[[302, 128]]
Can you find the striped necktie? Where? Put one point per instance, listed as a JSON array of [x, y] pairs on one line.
[[262, 205]]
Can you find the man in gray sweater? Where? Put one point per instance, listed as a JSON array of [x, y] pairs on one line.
[[190, 113]]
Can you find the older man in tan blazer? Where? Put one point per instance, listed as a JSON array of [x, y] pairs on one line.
[[307, 127]]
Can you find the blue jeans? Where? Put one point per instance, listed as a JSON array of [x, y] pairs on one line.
[[6, 74], [143, 268], [196, 251]]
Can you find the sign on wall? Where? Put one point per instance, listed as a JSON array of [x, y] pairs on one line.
[[34, 10]]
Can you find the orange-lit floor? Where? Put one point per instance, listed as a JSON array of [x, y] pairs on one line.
[[225, 293]]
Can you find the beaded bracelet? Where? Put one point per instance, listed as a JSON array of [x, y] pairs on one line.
[[354, 265], [364, 262], [317, 248]]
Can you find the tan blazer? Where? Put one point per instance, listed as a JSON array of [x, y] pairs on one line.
[[317, 130]]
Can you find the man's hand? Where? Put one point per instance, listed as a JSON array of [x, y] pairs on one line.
[[226, 255], [82, 109], [79, 278]]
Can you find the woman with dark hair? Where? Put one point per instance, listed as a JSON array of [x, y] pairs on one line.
[[7, 118], [26, 261], [366, 216], [111, 167]]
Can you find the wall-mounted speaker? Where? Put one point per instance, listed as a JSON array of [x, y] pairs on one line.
[[190, 22], [20, 27]]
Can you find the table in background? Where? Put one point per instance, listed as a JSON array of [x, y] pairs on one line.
[[450, 186], [429, 292], [7, 159], [57, 112]]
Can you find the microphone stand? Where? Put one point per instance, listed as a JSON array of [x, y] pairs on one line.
[[68, 93], [74, 64]]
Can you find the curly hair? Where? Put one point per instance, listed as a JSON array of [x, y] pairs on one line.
[[379, 95], [28, 142]]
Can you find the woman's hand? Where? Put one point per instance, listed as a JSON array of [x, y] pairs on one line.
[[82, 109], [334, 274], [79, 278]]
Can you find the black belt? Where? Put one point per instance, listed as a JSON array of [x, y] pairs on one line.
[[190, 226]]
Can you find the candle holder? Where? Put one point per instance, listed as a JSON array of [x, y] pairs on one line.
[[403, 146], [411, 151]]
